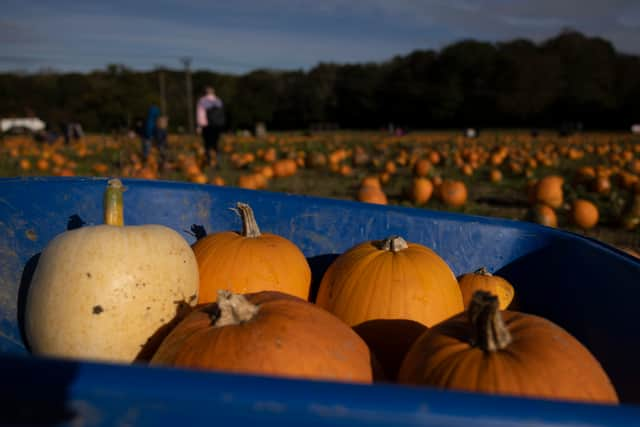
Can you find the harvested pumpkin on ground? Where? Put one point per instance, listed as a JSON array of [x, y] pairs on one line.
[[453, 193], [100, 292], [390, 279], [420, 191], [372, 194], [250, 261], [482, 280], [549, 191], [584, 214], [543, 215], [510, 353], [267, 333]]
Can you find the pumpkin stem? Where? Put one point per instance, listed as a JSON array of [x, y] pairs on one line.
[[488, 329], [393, 244], [249, 225], [234, 309], [483, 271], [113, 204]]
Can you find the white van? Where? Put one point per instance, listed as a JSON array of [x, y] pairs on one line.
[[22, 124]]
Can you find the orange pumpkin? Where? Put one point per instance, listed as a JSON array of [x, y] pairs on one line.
[[601, 185], [584, 214], [495, 175], [544, 215], [421, 190], [385, 177], [453, 193], [422, 167], [217, 180], [390, 279], [510, 353], [390, 167], [372, 194], [270, 155], [371, 180], [548, 190], [284, 167], [481, 279], [250, 261], [248, 182], [267, 333]]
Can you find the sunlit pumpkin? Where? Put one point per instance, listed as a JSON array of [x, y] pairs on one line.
[[250, 261], [266, 333], [509, 353], [481, 279], [390, 279]]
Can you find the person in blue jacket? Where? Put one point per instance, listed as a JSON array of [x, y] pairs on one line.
[[149, 131]]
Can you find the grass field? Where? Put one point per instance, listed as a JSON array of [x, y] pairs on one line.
[[334, 164]]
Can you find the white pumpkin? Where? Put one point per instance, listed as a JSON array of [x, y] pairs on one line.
[[101, 292]]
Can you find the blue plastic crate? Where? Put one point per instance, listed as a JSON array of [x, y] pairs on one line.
[[587, 287]]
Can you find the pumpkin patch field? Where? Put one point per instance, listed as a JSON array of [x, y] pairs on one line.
[[587, 183], [338, 310]]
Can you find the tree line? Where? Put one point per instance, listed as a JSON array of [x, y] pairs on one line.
[[570, 78]]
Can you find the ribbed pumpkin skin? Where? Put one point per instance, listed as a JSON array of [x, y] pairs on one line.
[[368, 283], [287, 337], [542, 361], [227, 260]]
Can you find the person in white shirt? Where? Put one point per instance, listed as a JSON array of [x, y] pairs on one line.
[[210, 118]]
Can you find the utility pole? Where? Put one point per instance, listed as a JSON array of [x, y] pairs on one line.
[[163, 91], [187, 70]]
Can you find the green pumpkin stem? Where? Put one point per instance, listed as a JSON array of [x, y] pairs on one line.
[[393, 244], [488, 329], [234, 309], [113, 203], [249, 225]]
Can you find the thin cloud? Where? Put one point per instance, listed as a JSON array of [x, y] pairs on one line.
[[13, 32], [526, 22], [246, 34]]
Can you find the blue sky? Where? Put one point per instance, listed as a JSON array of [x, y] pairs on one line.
[[237, 36]]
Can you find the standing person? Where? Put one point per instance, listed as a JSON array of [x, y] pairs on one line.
[[149, 131], [162, 124], [210, 119]]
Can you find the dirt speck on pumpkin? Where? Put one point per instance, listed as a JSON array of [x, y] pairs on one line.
[[97, 309]]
